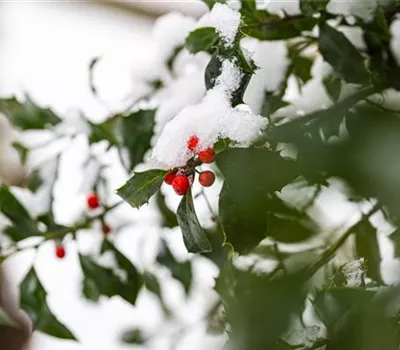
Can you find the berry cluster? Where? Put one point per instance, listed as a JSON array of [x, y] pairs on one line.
[[181, 179], [93, 202]]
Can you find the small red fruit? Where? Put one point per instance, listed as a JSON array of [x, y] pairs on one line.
[[181, 184], [193, 143], [60, 251], [93, 201], [105, 228], [207, 156], [170, 177], [206, 178]]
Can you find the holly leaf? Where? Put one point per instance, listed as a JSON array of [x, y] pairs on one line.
[[6, 320], [367, 247], [181, 271], [103, 131], [247, 195], [133, 336], [153, 285], [123, 279], [194, 236], [309, 7], [201, 39], [22, 151], [341, 54], [23, 226], [28, 115], [168, 217], [137, 129], [141, 187], [333, 86], [33, 302]]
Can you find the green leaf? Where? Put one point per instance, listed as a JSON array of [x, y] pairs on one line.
[[122, 280], [265, 26], [34, 180], [395, 238], [136, 130], [367, 247], [23, 226], [133, 336], [211, 3], [302, 67], [181, 271], [33, 302], [105, 131], [22, 150], [309, 7], [251, 177], [201, 39], [333, 86], [141, 187], [168, 217], [6, 320], [194, 236], [340, 53], [153, 285], [28, 115]]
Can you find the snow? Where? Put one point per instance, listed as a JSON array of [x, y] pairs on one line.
[[224, 19], [209, 120], [362, 9], [354, 273], [170, 32], [290, 7]]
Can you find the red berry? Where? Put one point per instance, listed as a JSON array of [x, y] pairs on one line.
[[60, 251], [206, 178], [207, 156], [105, 228], [93, 201], [193, 143], [181, 184], [169, 178]]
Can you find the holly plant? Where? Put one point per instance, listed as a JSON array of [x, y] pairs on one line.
[[323, 125]]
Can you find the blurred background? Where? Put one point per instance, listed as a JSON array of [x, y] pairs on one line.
[[46, 48]]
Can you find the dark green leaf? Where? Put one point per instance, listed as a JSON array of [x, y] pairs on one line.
[[168, 217], [309, 7], [302, 67], [133, 336], [247, 193], [33, 302], [34, 180], [213, 70], [105, 131], [340, 53], [181, 271], [368, 248], [194, 236], [170, 61], [211, 3], [6, 320], [141, 187], [201, 39], [23, 225], [153, 285], [219, 252], [272, 103], [28, 115], [22, 150], [123, 280], [395, 238], [333, 86], [137, 130]]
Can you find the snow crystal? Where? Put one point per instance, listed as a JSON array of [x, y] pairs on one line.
[[170, 32], [224, 19], [354, 273], [211, 119], [363, 9], [230, 78]]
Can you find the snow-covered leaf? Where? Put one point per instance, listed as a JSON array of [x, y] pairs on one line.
[[201, 39]]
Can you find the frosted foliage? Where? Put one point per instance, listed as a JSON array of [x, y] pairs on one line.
[[229, 79], [170, 31], [354, 273], [363, 9], [224, 19], [306, 337], [290, 7]]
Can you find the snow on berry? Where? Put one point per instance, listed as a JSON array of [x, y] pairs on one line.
[[181, 184], [206, 178], [209, 120], [193, 143], [224, 19]]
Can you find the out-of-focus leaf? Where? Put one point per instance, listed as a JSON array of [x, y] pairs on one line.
[[22, 150], [28, 115], [6, 320], [247, 193], [340, 53], [168, 216], [123, 279], [34, 180], [201, 39], [105, 131], [333, 85], [153, 285], [23, 225], [194, 236], [309, 7], [219, 252], [141, 187], [137, 130], [133, 336], [367, 247], [33, 302], [211, 3], [181, 271]]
